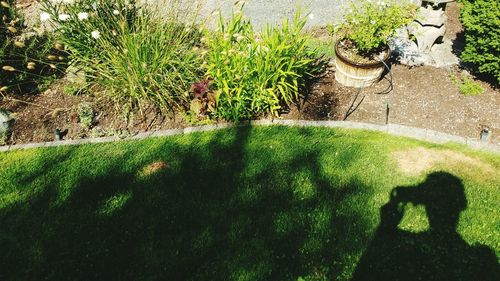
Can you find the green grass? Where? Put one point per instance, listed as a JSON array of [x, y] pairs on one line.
[[265, 203]]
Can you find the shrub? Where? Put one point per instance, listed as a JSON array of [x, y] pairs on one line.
[[467, 86], [369, 24], [28, 61], [85, 114], [135, 56], [481, 20], [255, 74]]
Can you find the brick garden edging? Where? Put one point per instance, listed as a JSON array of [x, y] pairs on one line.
[[392, 129]]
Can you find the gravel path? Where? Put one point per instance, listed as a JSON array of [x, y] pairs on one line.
[[261, 12]]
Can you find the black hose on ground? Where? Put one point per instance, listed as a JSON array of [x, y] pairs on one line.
[[352, 107]]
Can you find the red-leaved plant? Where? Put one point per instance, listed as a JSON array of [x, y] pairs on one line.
[[203, 101]]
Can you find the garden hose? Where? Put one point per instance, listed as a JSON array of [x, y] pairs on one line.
[[389, 89], [353, 108], [386, 92]]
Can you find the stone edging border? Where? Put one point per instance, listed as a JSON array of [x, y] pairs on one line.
[[392, 129]]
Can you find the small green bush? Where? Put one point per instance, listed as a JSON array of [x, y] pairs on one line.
[[132, 54], [481, 19], [255, 74], [370, 24], [85, 114], [467, 86]]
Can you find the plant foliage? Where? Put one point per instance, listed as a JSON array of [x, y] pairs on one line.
[[28, 60], [370, 24], [481, 19], [257, 73], [134, 55], [467, 86], [85, 114]]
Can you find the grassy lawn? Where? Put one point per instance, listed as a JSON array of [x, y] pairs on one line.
[[263, 203]]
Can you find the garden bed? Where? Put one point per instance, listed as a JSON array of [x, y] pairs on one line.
[[423, 97]]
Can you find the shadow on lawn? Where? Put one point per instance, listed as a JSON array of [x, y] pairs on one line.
[[221, 213], [437, 254], [218, 210]]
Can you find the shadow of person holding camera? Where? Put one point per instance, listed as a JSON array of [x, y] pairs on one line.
[[439, 253]]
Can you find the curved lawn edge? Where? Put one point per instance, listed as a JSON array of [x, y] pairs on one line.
[[391, 129]]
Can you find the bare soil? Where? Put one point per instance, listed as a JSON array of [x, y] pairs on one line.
[[422, 97], [38, 116]]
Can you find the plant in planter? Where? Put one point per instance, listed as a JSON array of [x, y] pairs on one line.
[[363, 39]]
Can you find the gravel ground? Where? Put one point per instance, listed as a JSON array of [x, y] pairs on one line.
[[262, 12]]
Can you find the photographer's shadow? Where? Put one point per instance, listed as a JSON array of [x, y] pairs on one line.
[[439, 253]]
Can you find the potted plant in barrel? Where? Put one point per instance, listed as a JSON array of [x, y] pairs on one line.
[[363, 39]]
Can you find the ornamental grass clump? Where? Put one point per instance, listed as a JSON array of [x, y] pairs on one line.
[[253, 73], [28, 61], [130, 53], [369, 24]]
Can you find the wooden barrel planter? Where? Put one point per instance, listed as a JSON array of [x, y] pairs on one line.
[[354, 74]]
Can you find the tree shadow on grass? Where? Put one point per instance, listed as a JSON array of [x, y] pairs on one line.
[[223, 212], [437, 254]]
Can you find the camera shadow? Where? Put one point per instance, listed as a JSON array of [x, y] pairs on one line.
[[439, 253]]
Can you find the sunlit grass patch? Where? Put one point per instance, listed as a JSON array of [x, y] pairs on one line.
[[248, 203], [114, 203]]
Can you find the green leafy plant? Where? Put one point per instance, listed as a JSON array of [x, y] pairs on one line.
[[369, 24], [481, 19], [85, 114], [467, 86], [131, 53], [28, 61], [255, 74]]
